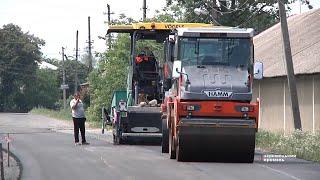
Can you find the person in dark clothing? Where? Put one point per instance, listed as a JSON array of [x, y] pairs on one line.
[[78, 118]]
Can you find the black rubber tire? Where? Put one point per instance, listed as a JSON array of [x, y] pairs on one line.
[[250, 158], [103, 127], [115, 140], [165, 137], [179, 151], [247, 157], [172, 151], [118, 140], [121, 141]]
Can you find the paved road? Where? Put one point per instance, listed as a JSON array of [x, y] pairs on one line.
[[45, 147]]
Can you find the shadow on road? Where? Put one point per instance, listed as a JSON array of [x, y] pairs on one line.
[[143, 141]]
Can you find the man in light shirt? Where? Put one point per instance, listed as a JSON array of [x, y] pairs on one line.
[[78, 118]]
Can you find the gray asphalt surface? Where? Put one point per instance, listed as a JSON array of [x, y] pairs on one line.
[[46, 149]]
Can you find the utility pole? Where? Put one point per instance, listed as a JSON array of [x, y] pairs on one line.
[[76, 68], [109, 22], [300, 5], [144, 8], [89, 45], [64, 82], [290, 71], [109, 13]]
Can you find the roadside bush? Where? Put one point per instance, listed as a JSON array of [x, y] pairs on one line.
[[57, 114], [304, 145], [111, 75]]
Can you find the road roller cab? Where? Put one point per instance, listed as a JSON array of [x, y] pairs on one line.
[[137, 114], [208, 109]]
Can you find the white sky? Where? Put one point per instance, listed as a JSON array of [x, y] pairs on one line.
[[56, 21]]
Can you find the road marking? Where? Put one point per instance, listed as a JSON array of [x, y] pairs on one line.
[[106, 163], [115, 170], [280, 172]]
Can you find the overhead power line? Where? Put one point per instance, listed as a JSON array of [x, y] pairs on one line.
[[230, 10]]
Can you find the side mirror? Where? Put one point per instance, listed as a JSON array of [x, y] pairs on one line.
[[167, 83], [176, 69], [171, 50], [122, 105], [258, 70]]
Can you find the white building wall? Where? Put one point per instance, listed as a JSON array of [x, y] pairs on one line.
[[276, 113]]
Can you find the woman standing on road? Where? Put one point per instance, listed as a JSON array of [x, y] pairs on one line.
[[78, 118]]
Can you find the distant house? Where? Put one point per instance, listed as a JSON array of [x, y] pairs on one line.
[[45, 65], [276, 114]]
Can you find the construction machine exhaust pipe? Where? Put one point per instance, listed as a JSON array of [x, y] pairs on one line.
[[136, 94]]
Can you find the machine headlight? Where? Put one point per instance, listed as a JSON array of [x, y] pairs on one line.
[[122, 105], [191, 107], [244, 108]]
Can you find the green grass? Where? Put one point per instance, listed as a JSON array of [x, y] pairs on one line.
[[62, 115], [304, 145], [57, 114]]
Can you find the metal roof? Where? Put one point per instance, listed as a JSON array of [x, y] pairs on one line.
[[229, 31], [152, 26], [304, 31], [45, 65]]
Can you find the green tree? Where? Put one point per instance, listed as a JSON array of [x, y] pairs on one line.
[[110, 75], [71, 66], [123, 19], [259, 14], [171, 13], [85, 59], [46, 90], [19, 53]]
